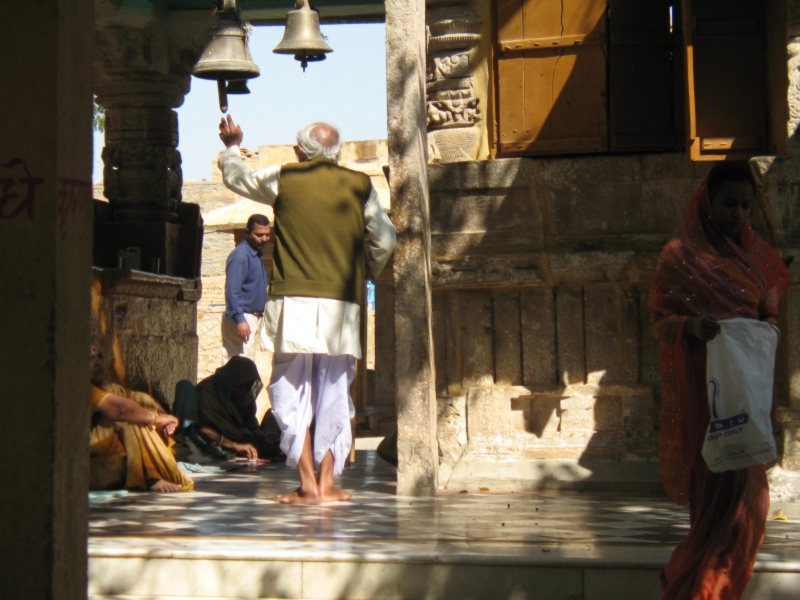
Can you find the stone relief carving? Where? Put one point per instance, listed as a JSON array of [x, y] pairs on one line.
[[793, 50], [452, 105]]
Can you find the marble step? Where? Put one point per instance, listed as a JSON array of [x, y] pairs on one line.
[[180, 569]]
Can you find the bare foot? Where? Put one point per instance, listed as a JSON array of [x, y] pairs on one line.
[[165, 487], [334, 494], [299, 497]]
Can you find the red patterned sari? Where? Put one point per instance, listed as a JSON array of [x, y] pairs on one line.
[[703, 271]]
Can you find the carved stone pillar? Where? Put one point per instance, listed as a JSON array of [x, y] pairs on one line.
[[452, 105], [142, 71], [781, 179]]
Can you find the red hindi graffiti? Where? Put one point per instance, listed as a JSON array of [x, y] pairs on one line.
[[74, 197], [17, 194]]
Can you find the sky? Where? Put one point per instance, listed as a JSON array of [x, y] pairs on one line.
[[348, 89]]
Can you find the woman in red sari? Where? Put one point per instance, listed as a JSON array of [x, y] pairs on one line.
[[715, 267]]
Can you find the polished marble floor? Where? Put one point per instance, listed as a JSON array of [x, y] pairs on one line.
[[240, 504]]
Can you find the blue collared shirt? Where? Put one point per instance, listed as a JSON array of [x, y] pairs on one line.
[[245, 282]]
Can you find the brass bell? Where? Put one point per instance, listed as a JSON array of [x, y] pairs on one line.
[[227, 56], [302, 36]]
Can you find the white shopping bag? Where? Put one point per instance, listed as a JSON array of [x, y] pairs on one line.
[[739, 374]]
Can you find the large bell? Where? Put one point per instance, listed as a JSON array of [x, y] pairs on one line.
[[302, 36], [227, 56]]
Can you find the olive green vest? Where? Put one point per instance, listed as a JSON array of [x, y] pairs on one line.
[[319, 231]]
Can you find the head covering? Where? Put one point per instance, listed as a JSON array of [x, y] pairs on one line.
[[235, 372], [235, 418], [702, 271]]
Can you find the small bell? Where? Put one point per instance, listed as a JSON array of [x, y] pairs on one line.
[[227, 56], [302, 36]]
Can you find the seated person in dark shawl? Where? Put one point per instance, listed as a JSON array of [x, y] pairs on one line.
[[220, 412]]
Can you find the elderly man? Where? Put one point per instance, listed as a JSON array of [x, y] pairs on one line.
[[322, 213], [245, 291]]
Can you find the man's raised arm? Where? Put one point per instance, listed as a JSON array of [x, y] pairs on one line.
[[260, 185]]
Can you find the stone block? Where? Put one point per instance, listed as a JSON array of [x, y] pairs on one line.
[[638, 411], [790, 425], [621, 584], [440, 342], [507, 340], [476, 340], [578, 414], [544, 416], [147, 329], [649, 350], [451, 433], [792, 303], [570, 334], [454, 371], [490, 420], [608, 413], [537, 308], [612, 322]]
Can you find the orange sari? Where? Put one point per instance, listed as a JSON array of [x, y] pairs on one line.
[[703, 271], [128, 455]]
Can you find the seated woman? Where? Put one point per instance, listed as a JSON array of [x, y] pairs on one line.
[[128, 434], [714, 268], [222, 409]]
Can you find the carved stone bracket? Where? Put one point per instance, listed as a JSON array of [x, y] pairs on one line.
[[452, 105]]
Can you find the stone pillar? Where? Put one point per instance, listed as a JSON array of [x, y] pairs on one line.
[[780, 178], [146, 323], [45, 267], [417, 448], [142, 71]]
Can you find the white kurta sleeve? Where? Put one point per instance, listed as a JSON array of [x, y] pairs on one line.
[[380, 232], [260, 185]]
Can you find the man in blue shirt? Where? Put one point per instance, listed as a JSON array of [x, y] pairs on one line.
[[245, 291]]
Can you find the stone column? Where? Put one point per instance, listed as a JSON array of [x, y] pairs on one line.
[[780, 178], [142, 70], [45, 270], [147, 324], [417, 473]]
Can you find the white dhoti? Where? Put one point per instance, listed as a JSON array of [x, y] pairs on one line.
[[314, 387]]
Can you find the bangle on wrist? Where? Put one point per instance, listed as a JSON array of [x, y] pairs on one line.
[[778, 331], [221, 439], [153, 422]]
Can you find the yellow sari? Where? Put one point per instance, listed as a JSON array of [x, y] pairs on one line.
[[124, 455]]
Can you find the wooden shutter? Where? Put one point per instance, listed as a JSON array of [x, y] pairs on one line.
[[731, 108], [641, 77], [552, 73]]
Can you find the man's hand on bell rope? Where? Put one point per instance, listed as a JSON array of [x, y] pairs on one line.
[[230, 133]]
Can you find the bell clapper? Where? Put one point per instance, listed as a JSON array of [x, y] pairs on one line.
[[223, 95]]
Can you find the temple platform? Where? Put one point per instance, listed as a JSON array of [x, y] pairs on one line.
[[229, 539]]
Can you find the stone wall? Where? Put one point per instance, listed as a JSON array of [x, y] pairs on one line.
[[546, 368], [147, 326], [544, 354]]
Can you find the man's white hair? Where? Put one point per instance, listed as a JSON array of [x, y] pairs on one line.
[[312, 146]]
